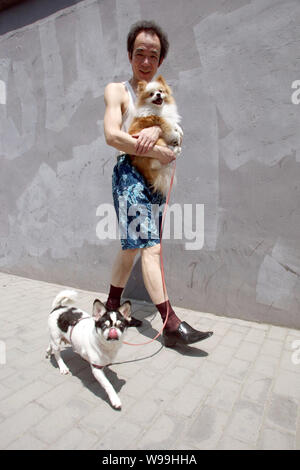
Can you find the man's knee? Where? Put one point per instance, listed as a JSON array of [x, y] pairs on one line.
[[151, 252]]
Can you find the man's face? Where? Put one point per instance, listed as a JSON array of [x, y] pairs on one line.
[[145, 56]]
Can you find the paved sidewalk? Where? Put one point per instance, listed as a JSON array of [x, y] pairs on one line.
[[237, 390]]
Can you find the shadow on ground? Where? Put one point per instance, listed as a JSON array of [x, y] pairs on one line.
[[81, 369], [148, 331]]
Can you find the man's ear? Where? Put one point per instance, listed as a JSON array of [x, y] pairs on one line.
[[98, 309], [125, 310], [141, 86]]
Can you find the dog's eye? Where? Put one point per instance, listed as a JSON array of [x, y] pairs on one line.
[[151, 94], [160, 91]]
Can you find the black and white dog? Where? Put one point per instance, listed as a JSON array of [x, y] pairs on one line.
[[96, 338]]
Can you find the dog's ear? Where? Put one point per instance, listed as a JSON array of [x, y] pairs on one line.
[[98, 309], [141, 86], [125, 310], [161, 79]]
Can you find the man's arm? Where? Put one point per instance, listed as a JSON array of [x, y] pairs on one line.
[[119, 139]]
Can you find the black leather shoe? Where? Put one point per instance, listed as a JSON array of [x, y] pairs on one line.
[[184, 334], [135, 322]]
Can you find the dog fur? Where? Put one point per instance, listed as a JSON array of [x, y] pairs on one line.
[[96, 338], [156, 107]]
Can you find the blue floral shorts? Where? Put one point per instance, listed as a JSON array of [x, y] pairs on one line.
[[139, 210]]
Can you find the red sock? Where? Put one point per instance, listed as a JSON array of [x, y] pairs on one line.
[[114, 297], [173, 321]]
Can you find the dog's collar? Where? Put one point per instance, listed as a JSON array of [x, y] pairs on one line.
[[101, 367], [98, 367]]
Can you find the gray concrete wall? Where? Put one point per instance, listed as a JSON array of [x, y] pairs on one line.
[[231, 64]]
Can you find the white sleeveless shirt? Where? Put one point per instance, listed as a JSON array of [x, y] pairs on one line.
[[130, 111]]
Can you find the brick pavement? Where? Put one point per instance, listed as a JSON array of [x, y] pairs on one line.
[[237, 390]]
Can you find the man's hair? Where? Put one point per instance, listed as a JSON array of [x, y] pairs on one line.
[[150, 27]]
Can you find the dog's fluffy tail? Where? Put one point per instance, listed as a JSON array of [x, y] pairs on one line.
[[65, 297]]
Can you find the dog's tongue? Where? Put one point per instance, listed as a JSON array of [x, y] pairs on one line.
[[113, 334]]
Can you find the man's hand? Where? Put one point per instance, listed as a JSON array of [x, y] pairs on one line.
[[146, 139]]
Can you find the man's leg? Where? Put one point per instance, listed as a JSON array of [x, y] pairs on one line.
[[151, 269], [121, 270], [122, 267], [152, 273], [176, 331]]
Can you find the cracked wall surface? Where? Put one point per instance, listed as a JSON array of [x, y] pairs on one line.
[[231, 65]]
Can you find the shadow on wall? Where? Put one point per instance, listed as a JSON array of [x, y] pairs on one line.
[[19, 13]]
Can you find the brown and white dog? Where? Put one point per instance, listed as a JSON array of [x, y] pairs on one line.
[[156, 107]]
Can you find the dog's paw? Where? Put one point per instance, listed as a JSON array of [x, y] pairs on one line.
[[176, 149], [48, 353], [116, 402], [176, 135], [64, 370]]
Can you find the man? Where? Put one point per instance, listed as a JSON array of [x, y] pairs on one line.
[[147, 47]]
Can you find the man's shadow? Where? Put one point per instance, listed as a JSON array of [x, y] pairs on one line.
[[82, 370]]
